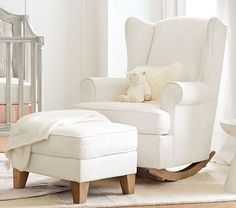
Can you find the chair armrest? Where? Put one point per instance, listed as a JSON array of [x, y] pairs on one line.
[[102, 89], [184, 93]]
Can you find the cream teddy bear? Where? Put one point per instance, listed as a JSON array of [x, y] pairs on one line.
[[139, 89]]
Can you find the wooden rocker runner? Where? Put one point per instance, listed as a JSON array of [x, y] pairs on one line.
[[166, 175]]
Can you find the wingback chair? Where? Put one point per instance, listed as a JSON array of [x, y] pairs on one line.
[[178, 130]]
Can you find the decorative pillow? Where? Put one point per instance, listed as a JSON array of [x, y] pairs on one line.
[[158, 76]]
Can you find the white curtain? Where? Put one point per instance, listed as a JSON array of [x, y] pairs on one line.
[[173, 8], [225, 145]]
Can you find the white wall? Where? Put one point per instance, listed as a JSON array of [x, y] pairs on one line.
[[13, 6], [59, 22], [119, 11], [102, 38], [201, 8], [82, 38], [70, 50], [89, 39]]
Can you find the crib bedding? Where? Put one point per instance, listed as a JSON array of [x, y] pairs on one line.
[[15, 112], [14, 91]]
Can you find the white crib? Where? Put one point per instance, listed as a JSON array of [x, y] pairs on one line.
[[20, 69]]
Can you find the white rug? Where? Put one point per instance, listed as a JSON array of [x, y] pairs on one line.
[[37, 185], [206, 186]]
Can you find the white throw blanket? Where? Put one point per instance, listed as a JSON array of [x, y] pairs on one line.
[[37, 127]]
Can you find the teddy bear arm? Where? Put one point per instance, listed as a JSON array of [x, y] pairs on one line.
[[147, 92]]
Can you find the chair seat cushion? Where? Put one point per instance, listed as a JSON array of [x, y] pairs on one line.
[[88, 140], [147, 117]]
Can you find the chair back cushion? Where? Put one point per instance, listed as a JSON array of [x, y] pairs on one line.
[[179, 40], [197, 43]]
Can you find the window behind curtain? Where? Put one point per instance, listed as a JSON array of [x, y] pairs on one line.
[[201, 8]]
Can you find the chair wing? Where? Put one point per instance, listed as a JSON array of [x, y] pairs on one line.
[[213, 55], [139, 36]]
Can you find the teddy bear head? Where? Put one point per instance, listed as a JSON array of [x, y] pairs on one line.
[[136, 76]]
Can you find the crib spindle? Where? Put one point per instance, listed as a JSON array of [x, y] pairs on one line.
[[33, 76], [22, 57], [9, 81], [21, 72], [39, 78]]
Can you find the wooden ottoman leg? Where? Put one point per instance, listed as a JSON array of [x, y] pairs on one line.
[[127, 183], [79, 192], [19, 178]]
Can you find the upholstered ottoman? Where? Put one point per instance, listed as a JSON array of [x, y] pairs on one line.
[[82, 153]]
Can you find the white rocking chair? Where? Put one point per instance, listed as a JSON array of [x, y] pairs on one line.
[[179, 130]]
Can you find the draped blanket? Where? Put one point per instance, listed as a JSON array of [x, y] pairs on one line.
[[37, 127]]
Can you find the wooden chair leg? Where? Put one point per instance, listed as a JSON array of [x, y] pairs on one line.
[[79, 192], [127, 183], [19, 178]]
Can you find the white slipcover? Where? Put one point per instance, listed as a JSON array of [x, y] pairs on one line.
[[86, 151], [88, 140], [157, 120], [198, 44]]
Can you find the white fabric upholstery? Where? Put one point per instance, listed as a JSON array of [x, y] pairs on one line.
[[84, 170], [93, 88], [86, 151], [155, 151], [213, 54], [185, 93], [184, 44], [88, 140], [139, 36], [147, 117], [14, 91], [192, 131], [198, 44]]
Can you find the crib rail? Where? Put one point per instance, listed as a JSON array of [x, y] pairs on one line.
[[34, 44], [20, 39]]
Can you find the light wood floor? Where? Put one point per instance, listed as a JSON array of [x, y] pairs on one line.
[[199, 205]]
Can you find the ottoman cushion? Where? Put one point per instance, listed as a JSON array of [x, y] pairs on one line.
[[88, 140]]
